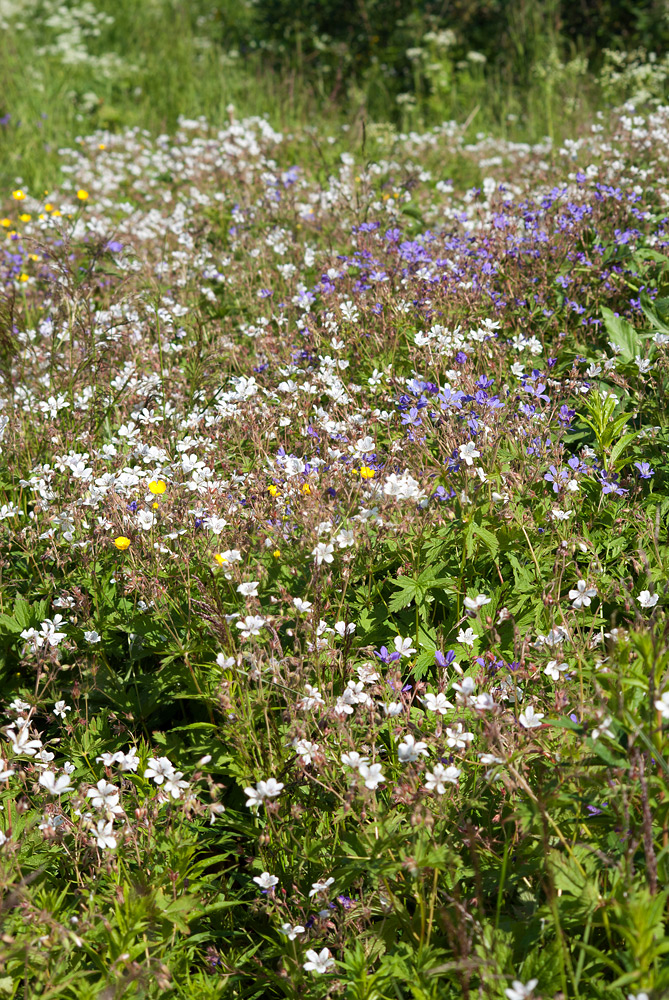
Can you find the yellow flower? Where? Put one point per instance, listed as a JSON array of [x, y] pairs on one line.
[[276, 553], [18, 195], [122, 543], [33, 256], [157, 487], [102, 146], [306, 488], [25, 217], [24, 277], [82, 195], [6, 223], [56, 213], [272, 490], [49, 207], [366, 472], [155, 506], [221, 560]]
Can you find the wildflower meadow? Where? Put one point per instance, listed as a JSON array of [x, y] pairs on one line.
[[334, 544]]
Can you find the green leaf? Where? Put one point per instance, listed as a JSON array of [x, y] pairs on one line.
[[622, 334]]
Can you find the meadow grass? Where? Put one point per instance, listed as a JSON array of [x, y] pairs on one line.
[[333, 534]]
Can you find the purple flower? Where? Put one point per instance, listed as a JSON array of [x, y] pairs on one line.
[[386, 657], [645, 471], [556, 478], [114, 246]]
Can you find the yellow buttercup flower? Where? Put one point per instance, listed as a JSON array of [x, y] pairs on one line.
[[366, 472], [102, 146], [221, 560], [18, 195], [6, 223], [306, 488], [25, 217], [157, 487], [122, 543], [49, 207], [82, 195], [272, 490], [276, 553], [24, 277]]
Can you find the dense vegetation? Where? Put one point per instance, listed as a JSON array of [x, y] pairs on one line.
[[334, 505]]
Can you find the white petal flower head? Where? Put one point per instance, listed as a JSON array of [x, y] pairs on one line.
[[662, 705], [440, 776], [323, 553], [174, 784], [553, 669], [317, 887], [467, 636], [55, 785], [159, 769], [411, 750], [312, 698], [372, 775], [104, 835], [468, 452], [353, 759], [269, 789], [404, 647], [60, 708], [582, 595], [647, 600], [319, 962], [249, 589], [474, 603], [145, 520], [266, 881], [302, 607], [393, 708], [343, 629], [529, 719], [520, 991], [437, 703], [456, 738], [292, 930], [104, 795], [92, 637], [251, 625]]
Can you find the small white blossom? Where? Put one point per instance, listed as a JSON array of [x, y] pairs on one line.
[[647, 600], [319, 962], [440, 776], [266, 881], [529, 719]]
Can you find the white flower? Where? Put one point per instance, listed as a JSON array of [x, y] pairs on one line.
[[320, 886], [323, 553], [411, 749], [312, 698], [662, 705], [269, 789], [647, 600], [520, 991], [372, 775], [5, 772], [174, 785], [159, 769], [603, 729], [21, 742], [464, 690], [104, 835], [60, 708], [266, 881], [456, 738], [483, 702], [318, 961], [128, 761], [367, 673], [92, 636], [393, 708], [437, 703], [353, 759], [145, 520], [474, 603], [582, 595], [342, 629], [468, 452], [301, 606], [305, 749], [553, 669], [291, 931], [251, 625], [467, 636], [404, 647], [248, 589], [55, 785], [104, 796], [529, 719], [440, 776]]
